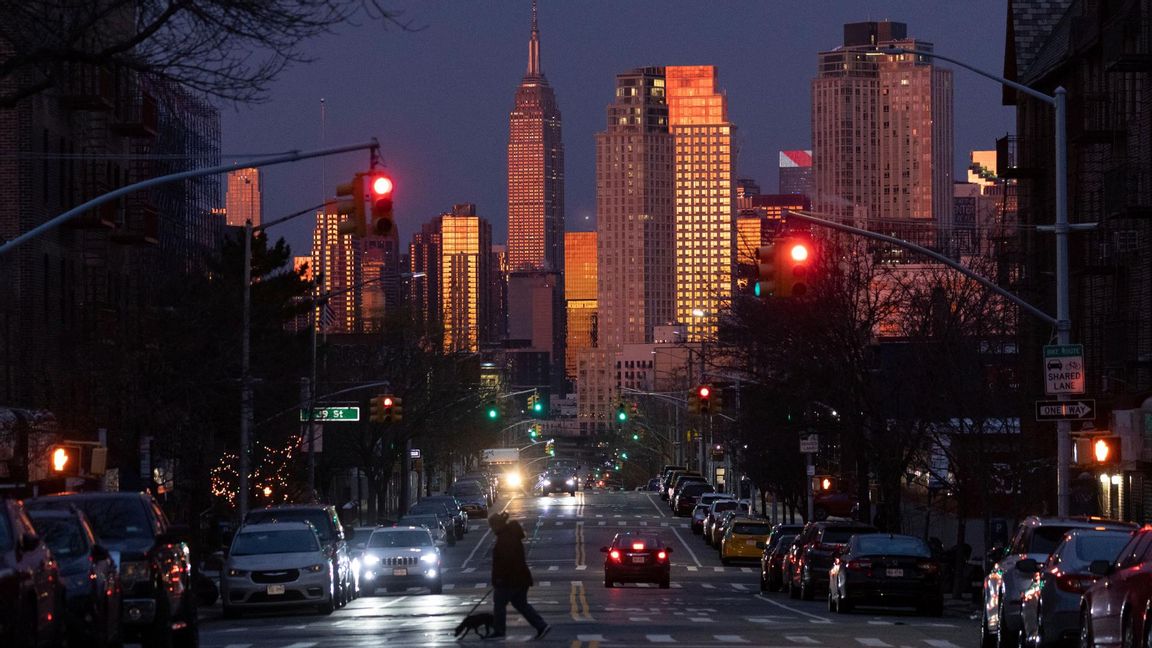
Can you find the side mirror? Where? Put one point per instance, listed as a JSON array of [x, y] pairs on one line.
[[99, 552], [29, 542], [603, 549], [1100, 567], [1028, 565]]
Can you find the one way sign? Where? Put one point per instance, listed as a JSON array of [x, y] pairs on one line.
[[1070, 410]]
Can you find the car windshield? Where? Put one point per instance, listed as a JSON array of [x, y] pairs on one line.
[[405, 538], [728, 506], [317, 517], [695, 488], [628, 540], [1045, 539], [466, 488], [841, 535], [429, 508], [253, 543], [429, 521], [745, 528], [449, 503], [782, 541], [64, 536], [1093, 546], [881, 545], [112, 518]]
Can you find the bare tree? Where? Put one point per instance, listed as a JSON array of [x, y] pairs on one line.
[[231, 49]]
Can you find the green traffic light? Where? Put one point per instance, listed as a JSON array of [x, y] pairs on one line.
[[623, 455], [756, 290], [492, 413], [621, 415], [635, 437], [537, 407]]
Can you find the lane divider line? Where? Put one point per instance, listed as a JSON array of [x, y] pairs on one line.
[[686, 547], [815, 617]]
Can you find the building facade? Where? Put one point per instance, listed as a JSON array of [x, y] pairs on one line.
[[243, 201], [705, 231], [580, 277], [465, 267], [882, 138], [796, 175], [535, 171]]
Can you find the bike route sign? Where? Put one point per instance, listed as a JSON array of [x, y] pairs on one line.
[[1064, 369]]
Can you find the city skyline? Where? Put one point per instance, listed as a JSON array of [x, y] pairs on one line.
[[457, 155]]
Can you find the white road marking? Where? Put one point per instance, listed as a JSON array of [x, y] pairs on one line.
[[581, 567], [545, 583], [765, 620], [746, 570], [480, 585], [815, 617], [940, 643], [237, 646], [638, 619], [660, 638], [659, 510], [554, 568], [691, 568], [871, 641], [686, 547], [601, 523], [717, 569], [700, 619], [302, 644], [708, 586], [589, 637], [450, 586], [730, 638], [801, 639], [468, 570], [739, 586]]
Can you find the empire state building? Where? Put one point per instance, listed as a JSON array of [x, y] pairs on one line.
[[535, 171]]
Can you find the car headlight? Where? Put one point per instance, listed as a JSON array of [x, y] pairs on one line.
[[571, 482], [237, 572], [429, 558], [371, 560], [547, 482], [315, 569], [134, 571]]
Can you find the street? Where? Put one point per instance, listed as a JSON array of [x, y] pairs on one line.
[[707, 604]]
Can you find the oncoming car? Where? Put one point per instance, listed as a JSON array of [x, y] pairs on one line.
[[280, 564], [637, 557], [557, 482], [401, 557]]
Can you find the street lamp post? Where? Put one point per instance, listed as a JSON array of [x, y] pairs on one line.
[[1058, 100]]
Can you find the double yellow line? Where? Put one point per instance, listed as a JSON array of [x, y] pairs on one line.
[[578, 600]]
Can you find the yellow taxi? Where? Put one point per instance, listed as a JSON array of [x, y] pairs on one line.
[[741, 537]]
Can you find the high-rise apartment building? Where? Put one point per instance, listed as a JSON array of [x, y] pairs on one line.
[[465, 264], [882, 134], [796, 172], [580, 277], [243, 200], [635, 213], [424, 259], [336, 269], [535, 171], [705, 218]]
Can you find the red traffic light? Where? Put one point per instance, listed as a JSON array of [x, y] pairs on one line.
[[387, 401], [799, 252], [381, 185], [704, 391]]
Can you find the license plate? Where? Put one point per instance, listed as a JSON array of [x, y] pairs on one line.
[[275, 590], [894, 573], [751, 543], [638, 559], [400, 571]]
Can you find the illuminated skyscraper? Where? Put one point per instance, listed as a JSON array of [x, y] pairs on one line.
[[243, 200], [336, 268], [465, 259], [796, 172], [535, 171], [882, 134], [424, 257], [705, 218], [580, 279]]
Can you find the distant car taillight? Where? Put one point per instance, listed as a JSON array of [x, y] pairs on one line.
[[614, 555], [1075, 583], [928, 566], [662, 555], [862, 564]]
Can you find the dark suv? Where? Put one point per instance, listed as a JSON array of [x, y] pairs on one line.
[[158, 606], [32, 608], [327, 524], [812, 554]]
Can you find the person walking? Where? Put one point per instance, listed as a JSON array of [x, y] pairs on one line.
[[511, 577]]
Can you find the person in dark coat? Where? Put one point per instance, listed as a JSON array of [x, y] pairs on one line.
[[511, 577]]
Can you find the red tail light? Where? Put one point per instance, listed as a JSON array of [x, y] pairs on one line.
[[1075, 583], [637, 546], [862, 564], [614, 555], [663, 555], [928, 567]]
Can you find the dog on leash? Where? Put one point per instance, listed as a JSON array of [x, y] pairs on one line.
[[473, 623]]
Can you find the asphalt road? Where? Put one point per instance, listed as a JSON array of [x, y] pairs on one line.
[[707, 604]]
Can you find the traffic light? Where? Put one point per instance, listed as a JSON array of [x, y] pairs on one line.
[[397, 409], [693, 403], [380, 195], [492, 411], [533, 432], [766, 263], [535, 405], [381, 409], [795, 256], [550, 448], [621, 413], [1098, 451], [64, 460], [716, 401], [823, 484], [352, 206], [704, 396]]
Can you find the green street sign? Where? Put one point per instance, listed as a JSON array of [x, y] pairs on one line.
[[332, 415]]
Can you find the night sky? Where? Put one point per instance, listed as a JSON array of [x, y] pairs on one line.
[[438, 98]]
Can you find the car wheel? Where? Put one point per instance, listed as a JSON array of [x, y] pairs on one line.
[[1005, 636], [665, 584], [160, 634], [608, 582], [987, 639], [725, 561], [1127, 633], [326, 608], [764, 584], [438, 587], [793, 591], [806, 593], [451, 539], [1086, 640]]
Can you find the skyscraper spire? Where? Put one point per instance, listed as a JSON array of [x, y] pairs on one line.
[[534, 46]]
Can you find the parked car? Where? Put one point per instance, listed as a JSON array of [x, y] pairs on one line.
[[89, 576], [451, 518], [472, 496], [327, 524], [1003, 591], [885, 569], [158, 607], [32, 612], [281, 564], [771, 561], [401, 557], [1115, 609], [637, 557], [829, 505], [716, 531], [685, 499], [744, 540], [1050, 611], [703, 505], [813, 552], [460, 516]]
